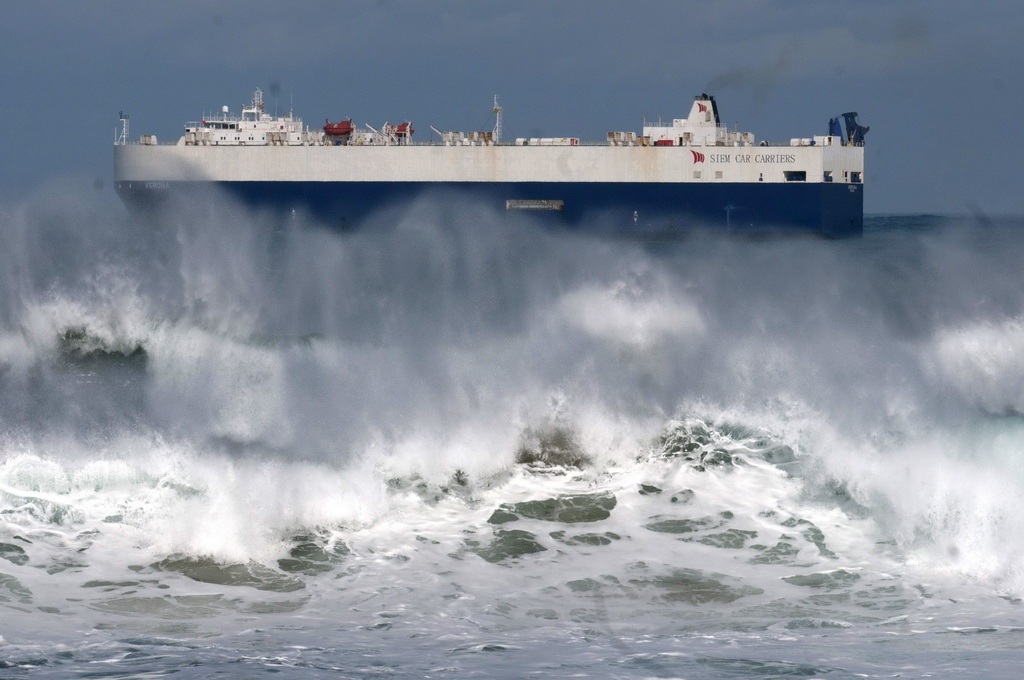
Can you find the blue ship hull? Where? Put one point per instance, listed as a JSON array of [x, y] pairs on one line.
[[643, 209]]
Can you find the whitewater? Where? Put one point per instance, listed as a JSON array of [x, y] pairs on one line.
[[447, 445]]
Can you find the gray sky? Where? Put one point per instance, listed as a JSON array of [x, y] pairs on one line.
[[938, 81]]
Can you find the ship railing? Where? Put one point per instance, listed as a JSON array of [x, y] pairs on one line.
[[136, 142], [599, 143], [762, 144], [532, 146]]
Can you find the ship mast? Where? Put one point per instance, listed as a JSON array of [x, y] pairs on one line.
[[123, 138], [255, 107], [497, 121]]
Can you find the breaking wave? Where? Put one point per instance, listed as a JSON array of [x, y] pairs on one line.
[[449, 428]]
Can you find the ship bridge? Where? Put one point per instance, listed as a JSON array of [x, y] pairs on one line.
[[702, 127], [254, 127]]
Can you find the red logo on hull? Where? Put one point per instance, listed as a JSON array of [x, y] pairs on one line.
[[697, 156]]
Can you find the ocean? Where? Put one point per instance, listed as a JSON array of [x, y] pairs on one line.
[[445, 446]]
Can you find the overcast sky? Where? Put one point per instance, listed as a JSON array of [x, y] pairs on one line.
[[938, 81]]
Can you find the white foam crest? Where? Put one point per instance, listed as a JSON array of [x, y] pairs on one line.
[[171, 499], [752, 496], [242, 510], [22, 471], [613, 438], [107, 310], [953, 501], [475, 450]]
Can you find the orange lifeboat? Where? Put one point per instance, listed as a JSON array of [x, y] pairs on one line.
[[342, 129]]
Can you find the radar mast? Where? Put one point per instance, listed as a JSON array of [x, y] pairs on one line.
[[497, 121]]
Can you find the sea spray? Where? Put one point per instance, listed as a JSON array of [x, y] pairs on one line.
[[226, 436]]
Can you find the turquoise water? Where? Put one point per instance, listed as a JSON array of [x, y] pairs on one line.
[[443, 447]]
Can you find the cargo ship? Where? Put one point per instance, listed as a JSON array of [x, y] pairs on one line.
[[672, 178]]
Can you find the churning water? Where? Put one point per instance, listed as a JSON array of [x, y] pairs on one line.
[[446, 446]]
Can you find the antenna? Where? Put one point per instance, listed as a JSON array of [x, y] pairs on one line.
[[497, 121]]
